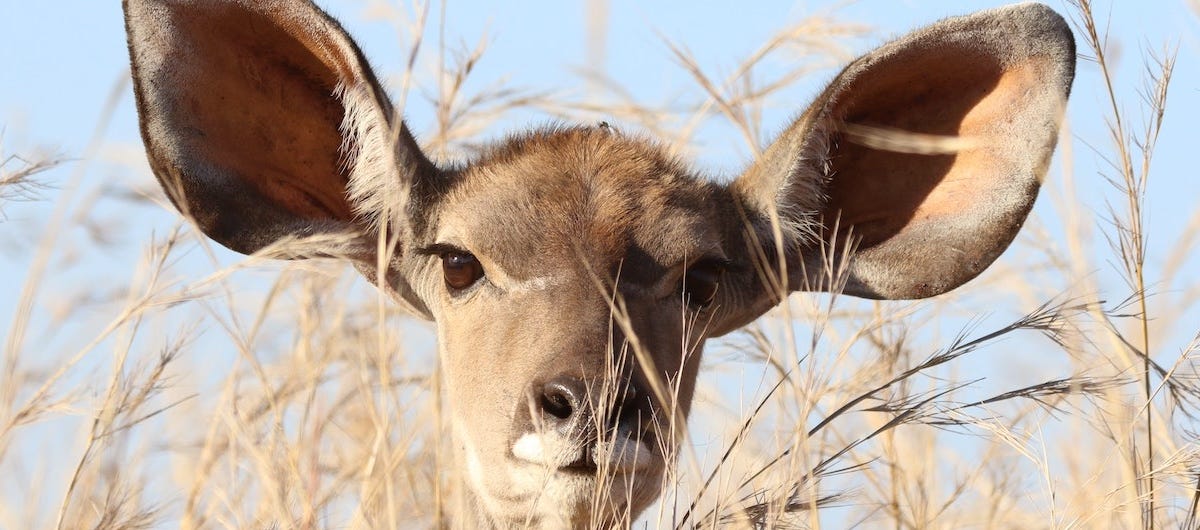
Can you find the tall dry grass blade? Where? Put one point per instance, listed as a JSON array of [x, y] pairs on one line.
[[18, 176], [1130, 242], [48, 243]]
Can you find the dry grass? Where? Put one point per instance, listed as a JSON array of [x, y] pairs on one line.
[[289, 395]]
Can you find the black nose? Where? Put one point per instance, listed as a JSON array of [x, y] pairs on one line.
[[564, 404], [569, 405]]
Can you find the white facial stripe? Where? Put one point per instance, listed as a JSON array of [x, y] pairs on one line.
[[501, 278], [540, 283]]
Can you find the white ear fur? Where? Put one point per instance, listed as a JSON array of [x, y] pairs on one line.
[[373, 188]]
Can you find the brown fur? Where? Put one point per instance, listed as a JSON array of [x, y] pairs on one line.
[[264, 123]]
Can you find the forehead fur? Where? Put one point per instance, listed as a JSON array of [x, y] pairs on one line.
[[591, 194]]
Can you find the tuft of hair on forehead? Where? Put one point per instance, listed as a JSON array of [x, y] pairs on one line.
[[590, 191], [599, 150], [578, 169]]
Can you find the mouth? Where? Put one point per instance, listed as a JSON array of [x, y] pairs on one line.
[[616, 456]]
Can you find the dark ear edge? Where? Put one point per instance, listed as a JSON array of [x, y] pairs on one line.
[[922, 218]]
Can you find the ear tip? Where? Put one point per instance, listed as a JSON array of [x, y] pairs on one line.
[[1032, 10], [1033, 29], [1039, 21]]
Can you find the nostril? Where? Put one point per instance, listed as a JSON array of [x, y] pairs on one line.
[[562, 397], [626, 406], [556, 404]]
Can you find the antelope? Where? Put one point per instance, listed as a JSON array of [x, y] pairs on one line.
[[574, 273]]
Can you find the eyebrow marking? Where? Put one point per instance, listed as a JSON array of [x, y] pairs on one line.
[[539, 283]]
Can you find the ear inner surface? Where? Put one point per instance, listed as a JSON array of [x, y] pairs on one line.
[[964, 206], [929, 151], [241, 116]]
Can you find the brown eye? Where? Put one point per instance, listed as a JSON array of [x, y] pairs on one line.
[[461, 269], [700, 284]]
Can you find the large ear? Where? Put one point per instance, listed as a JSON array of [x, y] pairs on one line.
[[262, 121], [924, 155]]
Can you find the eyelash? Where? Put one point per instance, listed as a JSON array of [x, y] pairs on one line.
[[460, 269], [701, 283], [699, 286]]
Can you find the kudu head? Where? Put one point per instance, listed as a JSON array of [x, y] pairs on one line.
[[575, 273]]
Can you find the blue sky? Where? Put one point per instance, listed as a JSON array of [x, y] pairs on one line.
[[58, 66], [59, 61]]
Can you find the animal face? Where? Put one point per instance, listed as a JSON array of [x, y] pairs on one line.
[[575, 273]]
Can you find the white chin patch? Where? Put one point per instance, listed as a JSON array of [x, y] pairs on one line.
[[621, 455]]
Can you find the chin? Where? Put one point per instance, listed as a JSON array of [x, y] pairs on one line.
[[533, 495]]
